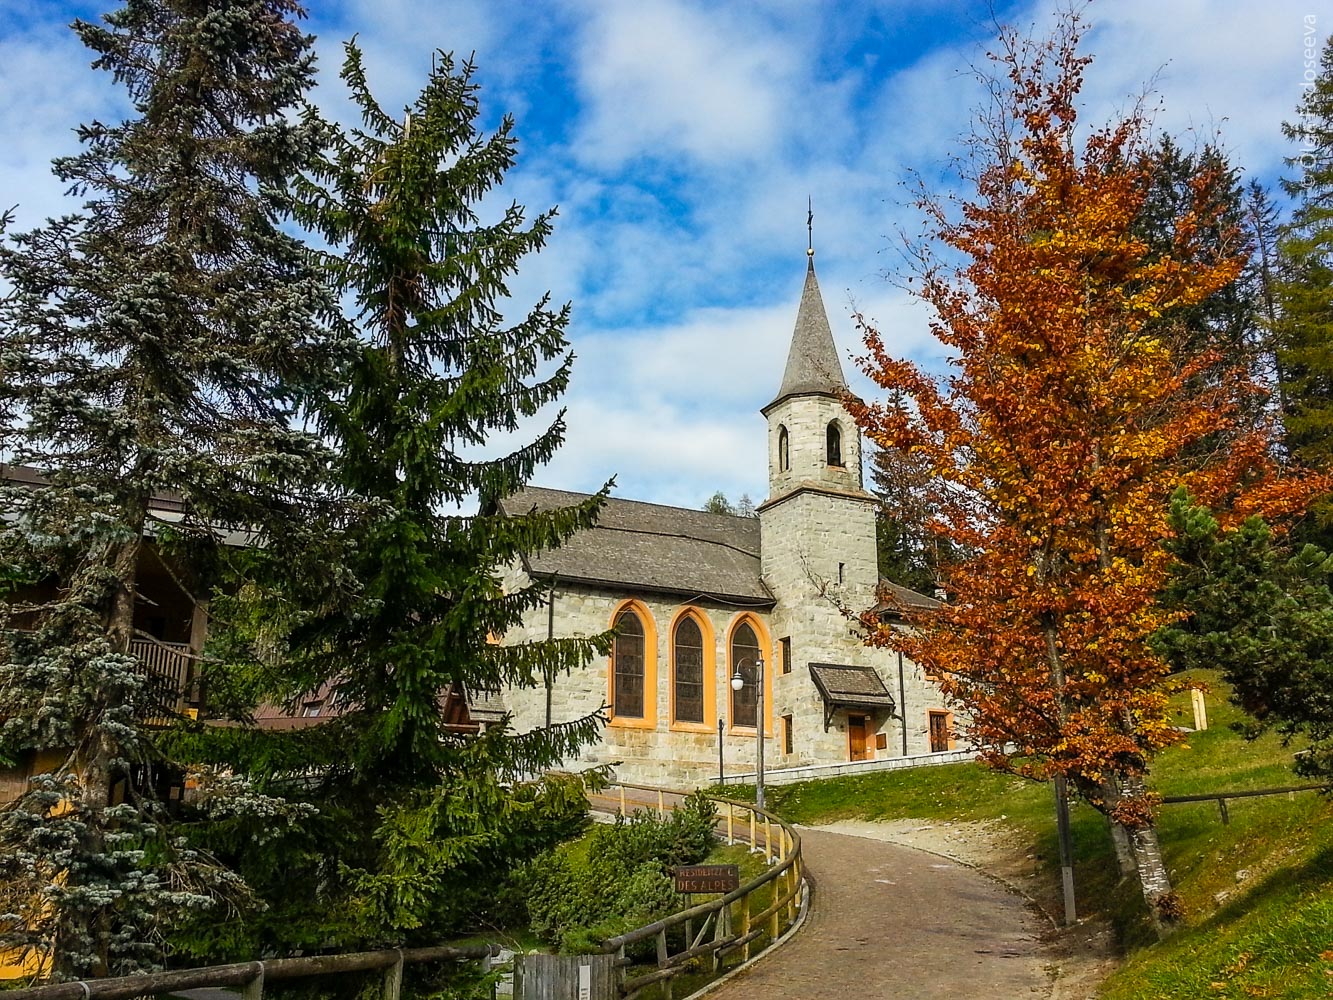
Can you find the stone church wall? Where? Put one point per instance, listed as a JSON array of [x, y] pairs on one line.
[[654, 751]]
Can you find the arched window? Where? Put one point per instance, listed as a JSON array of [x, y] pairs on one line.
[[628, 659], [688, 670], [834, 444], [745, 653], [784, 455]]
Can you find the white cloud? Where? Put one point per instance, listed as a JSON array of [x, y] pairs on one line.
[[661, 78], [49, 90], [1227, 66]]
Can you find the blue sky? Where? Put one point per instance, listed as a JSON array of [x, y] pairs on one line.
[[680, 140]]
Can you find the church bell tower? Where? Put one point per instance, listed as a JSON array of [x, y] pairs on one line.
[[818, 524]]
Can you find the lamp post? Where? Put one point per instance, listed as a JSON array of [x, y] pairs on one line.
[[737, 683], [721, 764]]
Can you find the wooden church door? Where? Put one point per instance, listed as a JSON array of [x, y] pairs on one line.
[[856, 737]]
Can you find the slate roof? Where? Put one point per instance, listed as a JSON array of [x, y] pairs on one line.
[[895, 598], [652, 547], [812, 362], [845, 685]]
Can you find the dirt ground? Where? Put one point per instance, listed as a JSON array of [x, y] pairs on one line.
[[1078, 957]]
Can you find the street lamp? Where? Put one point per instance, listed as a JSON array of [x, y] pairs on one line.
[[737, 683]]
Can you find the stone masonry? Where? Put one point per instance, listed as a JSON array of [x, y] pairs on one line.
[[815, 569]]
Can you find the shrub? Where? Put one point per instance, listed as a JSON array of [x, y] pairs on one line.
[[616, 878]]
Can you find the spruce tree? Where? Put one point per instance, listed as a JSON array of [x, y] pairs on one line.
[[430, 819], [161, 341], [1304, 291], [1204, 186], [1260, 607], [439, 373]]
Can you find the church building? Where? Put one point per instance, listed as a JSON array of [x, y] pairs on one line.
[[697, 598]]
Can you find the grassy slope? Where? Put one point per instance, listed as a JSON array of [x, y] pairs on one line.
[[1266, 933]]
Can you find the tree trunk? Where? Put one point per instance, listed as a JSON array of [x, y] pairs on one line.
[[95, 758], [1120, 839], [1154, 880], [1124, 849]]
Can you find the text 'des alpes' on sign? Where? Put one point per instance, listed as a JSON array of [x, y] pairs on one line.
[[707, 878]]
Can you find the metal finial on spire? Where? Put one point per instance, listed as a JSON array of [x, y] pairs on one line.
[[809, 226]]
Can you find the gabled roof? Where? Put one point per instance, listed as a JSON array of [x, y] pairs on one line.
[[653, 548], [813, 367], [894, 599]]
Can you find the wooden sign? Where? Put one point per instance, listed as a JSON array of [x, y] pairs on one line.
[[707, 878]]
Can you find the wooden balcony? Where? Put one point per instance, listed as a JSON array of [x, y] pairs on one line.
[[173, 688]]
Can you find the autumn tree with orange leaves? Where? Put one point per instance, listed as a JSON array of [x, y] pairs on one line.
[[1071, 414]]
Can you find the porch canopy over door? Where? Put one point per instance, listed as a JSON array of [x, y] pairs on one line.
[[850, 688]]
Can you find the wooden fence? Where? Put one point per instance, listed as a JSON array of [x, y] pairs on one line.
[[731, 923], [1221, 797], [251, 976]]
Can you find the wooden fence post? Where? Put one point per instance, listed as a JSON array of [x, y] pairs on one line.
[[393, 978], [768, 840], [752, 843], [254, 989], [622, 800], [745, 922], [731, 825]]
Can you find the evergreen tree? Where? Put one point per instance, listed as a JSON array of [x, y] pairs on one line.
[[719, 504], [909, 554], [1304, 291], [438, 373], [1205, 187], [161, 341], [1263, 612], [428, 822]]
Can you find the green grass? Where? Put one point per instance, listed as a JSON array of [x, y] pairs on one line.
[[1268, 933]]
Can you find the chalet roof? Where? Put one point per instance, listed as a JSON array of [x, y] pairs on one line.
[[652, 547], [25, 475], [165, 506], [842, 686], [813, 367]]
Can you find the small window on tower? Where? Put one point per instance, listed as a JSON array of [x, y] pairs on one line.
[[784, 450], [834, 444]]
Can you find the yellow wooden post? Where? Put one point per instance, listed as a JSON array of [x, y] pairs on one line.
[[731, 824], [752, 843], [768, 840], [661, 809], [622, 800]]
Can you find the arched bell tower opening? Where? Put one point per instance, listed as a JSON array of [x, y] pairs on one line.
[[833, 445]]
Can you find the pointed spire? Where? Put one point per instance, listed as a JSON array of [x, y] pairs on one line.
[[812, 362]]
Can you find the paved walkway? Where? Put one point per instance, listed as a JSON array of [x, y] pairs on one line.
[[893, 922]]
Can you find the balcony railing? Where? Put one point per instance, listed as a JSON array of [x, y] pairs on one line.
[[171, 678]]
